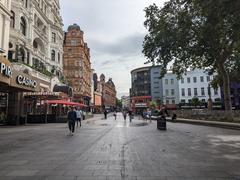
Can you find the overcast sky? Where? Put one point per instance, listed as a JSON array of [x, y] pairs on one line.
[[114, 32]]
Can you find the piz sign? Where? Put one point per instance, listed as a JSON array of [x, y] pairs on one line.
[[5, 70]]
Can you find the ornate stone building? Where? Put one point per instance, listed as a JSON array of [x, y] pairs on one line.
[[108, 93], [5, 14], [34, 56], [36, 35], [77, 65]]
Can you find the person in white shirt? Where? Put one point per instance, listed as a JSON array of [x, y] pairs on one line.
[[79, 116]]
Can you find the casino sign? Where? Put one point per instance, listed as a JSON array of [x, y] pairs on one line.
[[26, 81]]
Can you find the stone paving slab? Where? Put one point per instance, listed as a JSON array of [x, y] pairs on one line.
[[119, 150]]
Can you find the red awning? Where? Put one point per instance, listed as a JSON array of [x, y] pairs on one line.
[[141, 97], [65, 103]]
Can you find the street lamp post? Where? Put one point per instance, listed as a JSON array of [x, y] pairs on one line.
[[210, 103]]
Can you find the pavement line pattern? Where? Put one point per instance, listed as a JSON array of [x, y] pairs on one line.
[[119, 150]]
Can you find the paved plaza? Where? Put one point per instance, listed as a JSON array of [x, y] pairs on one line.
[[115, 150]]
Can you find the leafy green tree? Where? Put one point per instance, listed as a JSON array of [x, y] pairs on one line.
[[194, 34], [153, 104], [119, 103], [195, 101]]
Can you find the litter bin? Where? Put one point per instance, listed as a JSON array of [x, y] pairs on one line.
[[161, 123]]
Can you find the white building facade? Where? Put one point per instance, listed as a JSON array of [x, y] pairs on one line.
[[36, 35], [156, 83], [196, 83], [126, 102], [5, 14], [170, 89]]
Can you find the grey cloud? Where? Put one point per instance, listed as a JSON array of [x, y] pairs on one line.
[[124, 47], [114, 32], [104, 63]]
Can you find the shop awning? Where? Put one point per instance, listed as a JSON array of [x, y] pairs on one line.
[[65, 103], [141, 97]]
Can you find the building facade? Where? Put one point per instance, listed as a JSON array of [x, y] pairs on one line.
[[34, 57], [140, 91], [98, 91], [5, 17], [196, 83], [170, 89], [156, 83], [126, 102], [77, 65], [36, 35], [141, 82], [147, 85], [235, 95], [109, 93]]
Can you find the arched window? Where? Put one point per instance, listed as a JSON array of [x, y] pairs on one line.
[[10, 52], [26, 3], [23, 26], [58, 57], [12, 25], [53, 55], [35, 44], [21, 55]]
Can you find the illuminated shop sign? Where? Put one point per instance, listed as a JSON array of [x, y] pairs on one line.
[[25, 81], [141, 105], [5, 70]]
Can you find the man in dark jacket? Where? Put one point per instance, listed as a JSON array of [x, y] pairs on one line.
[[105, 114], [72, 117], [130, 114]]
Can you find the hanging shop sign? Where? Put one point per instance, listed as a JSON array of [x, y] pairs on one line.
[[139, 105]]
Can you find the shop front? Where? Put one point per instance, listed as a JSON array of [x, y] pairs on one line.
[[12, 85], [139, 104], [5, 75]]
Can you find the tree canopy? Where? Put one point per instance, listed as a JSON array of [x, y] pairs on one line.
[[194, 34]]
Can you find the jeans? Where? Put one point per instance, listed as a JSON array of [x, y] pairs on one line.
[[79, 120], [71, 125]]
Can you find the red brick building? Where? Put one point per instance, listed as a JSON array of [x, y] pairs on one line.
[[108, 93], [77, 65]]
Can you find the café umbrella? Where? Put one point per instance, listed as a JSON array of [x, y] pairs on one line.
[[64, 102]]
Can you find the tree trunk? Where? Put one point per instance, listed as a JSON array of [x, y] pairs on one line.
[[226, 89]]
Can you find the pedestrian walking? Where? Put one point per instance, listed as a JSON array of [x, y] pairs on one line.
[[72, 117], [124, 115], [105, 114], [79, 116], [174, 117], [149, 115], [130, 114], [115, 116]]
